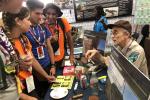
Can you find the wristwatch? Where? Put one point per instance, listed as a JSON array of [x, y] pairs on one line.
[[53, 65]]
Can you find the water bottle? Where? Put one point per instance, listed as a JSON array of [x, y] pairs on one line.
[[94, 87], [94, 84]]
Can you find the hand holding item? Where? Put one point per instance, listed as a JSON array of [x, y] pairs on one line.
[[95, 55], [50, 78], [92, 53], [52, 71]]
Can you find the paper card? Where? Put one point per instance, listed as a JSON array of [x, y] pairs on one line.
[[40, 52], [30, 84], [57, 52], [63, 81]]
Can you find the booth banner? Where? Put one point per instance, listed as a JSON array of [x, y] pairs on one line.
[[84, 9], [142, 12]]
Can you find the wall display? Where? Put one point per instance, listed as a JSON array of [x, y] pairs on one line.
[[65, 4], [142, 12], [84, 9], [67, 7]]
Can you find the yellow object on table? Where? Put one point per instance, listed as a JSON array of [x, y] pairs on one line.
[[102, 77], [63, 82]]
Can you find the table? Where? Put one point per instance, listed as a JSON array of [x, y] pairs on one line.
[[86, 92]]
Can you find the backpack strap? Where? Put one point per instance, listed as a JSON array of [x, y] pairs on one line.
[[60, 22]]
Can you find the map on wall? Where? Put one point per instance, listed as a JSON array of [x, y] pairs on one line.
[[84, 9], [142, 12]]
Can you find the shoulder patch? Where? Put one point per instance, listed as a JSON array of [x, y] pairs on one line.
[[133, 56]]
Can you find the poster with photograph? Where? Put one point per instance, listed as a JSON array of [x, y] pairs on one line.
[[111, 11], [84, 9], [67, 7], [65, 4]]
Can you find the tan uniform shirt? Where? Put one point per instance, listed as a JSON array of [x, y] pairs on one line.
[[135, 54]]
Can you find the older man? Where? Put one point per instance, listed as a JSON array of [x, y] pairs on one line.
[[121, 35]]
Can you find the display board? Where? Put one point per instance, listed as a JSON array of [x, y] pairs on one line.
[[142, 12], [84, 9], [67, 7]]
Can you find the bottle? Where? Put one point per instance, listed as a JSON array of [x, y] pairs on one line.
[[94, 87], [94, 84]]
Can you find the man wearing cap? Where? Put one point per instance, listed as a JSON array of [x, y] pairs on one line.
[[121, 35]]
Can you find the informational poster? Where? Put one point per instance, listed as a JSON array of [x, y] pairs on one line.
[[67, 7], [142, 12], [84, 9]]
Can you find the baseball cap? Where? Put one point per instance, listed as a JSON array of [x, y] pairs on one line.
[[122, 24]]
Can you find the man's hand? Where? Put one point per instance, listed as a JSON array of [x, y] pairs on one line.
[[53, 71], [92, 53]]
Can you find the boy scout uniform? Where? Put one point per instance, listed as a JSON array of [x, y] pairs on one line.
[[133, 51], [135, 54]]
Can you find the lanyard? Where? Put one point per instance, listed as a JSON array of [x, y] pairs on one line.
[[24, 44], [39, 33]]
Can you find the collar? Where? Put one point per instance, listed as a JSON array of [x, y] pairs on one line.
[[127, 47]]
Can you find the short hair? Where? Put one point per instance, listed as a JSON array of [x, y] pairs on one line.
[[9, 18], [100, 11], [52, 6], [34, 4]]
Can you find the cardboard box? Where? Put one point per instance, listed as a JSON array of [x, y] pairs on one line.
[[69, 70]]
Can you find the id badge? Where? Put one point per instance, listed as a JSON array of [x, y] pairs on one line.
[[30, 83], [40, 52], [57, 52]]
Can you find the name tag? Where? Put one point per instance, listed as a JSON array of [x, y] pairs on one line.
[[57, 52], [40, 52], [30, 84]]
